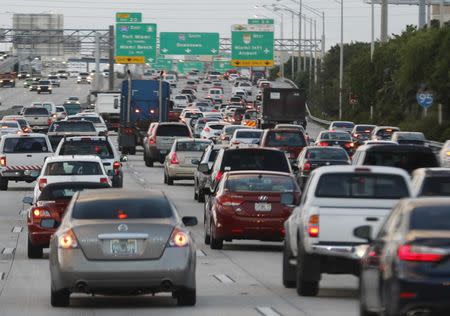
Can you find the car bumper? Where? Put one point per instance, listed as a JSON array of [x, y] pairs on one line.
[[158, 154], [40, 236], [20, 175], [235, 227], [178, 172], [348, 252], [70, 267]]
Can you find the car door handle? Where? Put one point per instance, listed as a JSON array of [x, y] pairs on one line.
[[372, 219], [29, 155]]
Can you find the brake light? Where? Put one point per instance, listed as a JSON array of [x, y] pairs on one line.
[[313, 227], [219, 176], [355, 135], [103, 180], [49, 121], [152, 140], [42, 183], [67, 240], [174, 159], [307, 166], [3, 161], [116, 165], [207, 130], [323, 144], [231, 200], [179, 238], [420, 253], [40, 213], [349, 145]]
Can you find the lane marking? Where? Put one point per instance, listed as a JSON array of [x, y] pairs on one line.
[[201, 253], [267, 311], [223, 278], [8, 251], [17, 229]]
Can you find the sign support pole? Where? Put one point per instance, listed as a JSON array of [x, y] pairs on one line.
[[111, 58]]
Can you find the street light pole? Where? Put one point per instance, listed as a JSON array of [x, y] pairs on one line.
[[341, 60], [372, 36], [384, 21], [310, 52], [315, 52], [293, 49], [299, 61], [304, 46]]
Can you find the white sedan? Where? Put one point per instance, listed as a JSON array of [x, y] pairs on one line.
[[97, 120], [71, 169], [246, 136], [212, 130]]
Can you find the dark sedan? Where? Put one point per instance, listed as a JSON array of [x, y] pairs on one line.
[[406, 269], [332, 138]]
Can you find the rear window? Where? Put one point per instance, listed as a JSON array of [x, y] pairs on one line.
[[192, 146], [93, 119], [216, 126], [8, 124], [120, 208], [268, 160], [72, 109], [260, 183], [336, 136], [172, 130], [229, 130], [180, 97], [72, 127], [343, 125], [193, 115], [248, 134], [436, 186], [52, 192], [100, 148], [73, 168], [361, 186], [386, 133], [25, 145], [364, 129], [285, 139], [327, 154], [407, 160], [430, 218], [36, 111]]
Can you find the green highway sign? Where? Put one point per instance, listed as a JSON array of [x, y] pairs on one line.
[[184, 67], [135, 40], [128, 17], [252, 45], [261, 21], [172, 43], [222, 65], [162, 64]]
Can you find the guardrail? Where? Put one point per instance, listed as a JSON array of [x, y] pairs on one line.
[[435, 146]]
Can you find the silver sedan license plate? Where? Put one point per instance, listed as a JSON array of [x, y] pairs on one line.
[[263, 207], [123, 246]]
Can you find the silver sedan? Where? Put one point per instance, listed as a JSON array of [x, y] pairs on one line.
[[122, 242]]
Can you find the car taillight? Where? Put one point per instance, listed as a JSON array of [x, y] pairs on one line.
[[207, 130], [420, 253], [313, 226], [42, 183], [306, 166], [174, 159], [49, 121], [349, 145], [40, 213], [219, 176], [103, 180], [67, 240], [179, 238], [116, 165], [323, 144], [355, 135], [152, 140], [230, 200], [3, 161]]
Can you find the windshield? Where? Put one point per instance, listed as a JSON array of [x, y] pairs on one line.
[[364, 128], [100, 148], [229, 130], [327, 154], [25, 145], [285, 139], [180, 97], [72, 127], [192, 146], [361, 186], [44, 83], [73, 168]]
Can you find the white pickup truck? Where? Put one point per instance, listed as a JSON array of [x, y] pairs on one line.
[[336, 200], [22, 157]]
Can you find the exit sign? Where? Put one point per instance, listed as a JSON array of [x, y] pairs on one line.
[[128, 17]]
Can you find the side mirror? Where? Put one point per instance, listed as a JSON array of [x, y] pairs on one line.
[[203, 167], [27, 200], [123, 158], [189, 221], [195, 161], [363, 232]]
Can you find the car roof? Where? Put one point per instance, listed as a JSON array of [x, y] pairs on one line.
[[432, 172], [79, 138], [74, 158], [24, 135], [354, 169], [394, 148], [193, 140], [257, 172], [413, 203]]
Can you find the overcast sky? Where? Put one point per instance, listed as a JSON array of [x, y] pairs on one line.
[[212, 15]]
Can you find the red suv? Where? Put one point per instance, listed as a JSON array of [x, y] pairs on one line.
[[46, 214], [290, 141], [250, 205]]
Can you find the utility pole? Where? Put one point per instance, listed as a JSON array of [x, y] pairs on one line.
[[384, 21], [341, 60], [97, 61], [422, 14], [299, 59], [310, 52], [111, 58], [315, 52], [282, 48], [441, 13], [429, 13], [293, 49], [372, 36], [304, 46]]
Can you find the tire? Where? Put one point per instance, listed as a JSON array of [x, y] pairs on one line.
[[34, 252], [215, 243], [165, 178], [187, 297], [60, 298], [125, 151], [304, 288], [169, 180], [132, 150], [207, 237], [3, 184], [288, 269], [201, 196], [148, 162], [195, 194], [117, 182]]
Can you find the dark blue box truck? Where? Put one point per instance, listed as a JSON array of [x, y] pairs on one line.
[[143, 110]]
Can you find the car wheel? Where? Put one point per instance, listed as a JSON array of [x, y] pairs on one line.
[[117, 182], [214, 242], [34, 252], [304, 288], [195, 191], [288, 269], [125, 150], [201, 196], [169, 180], [60, 298], [205, 229], [3, 184], [148, 161], [132, 150], [187, 297]]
